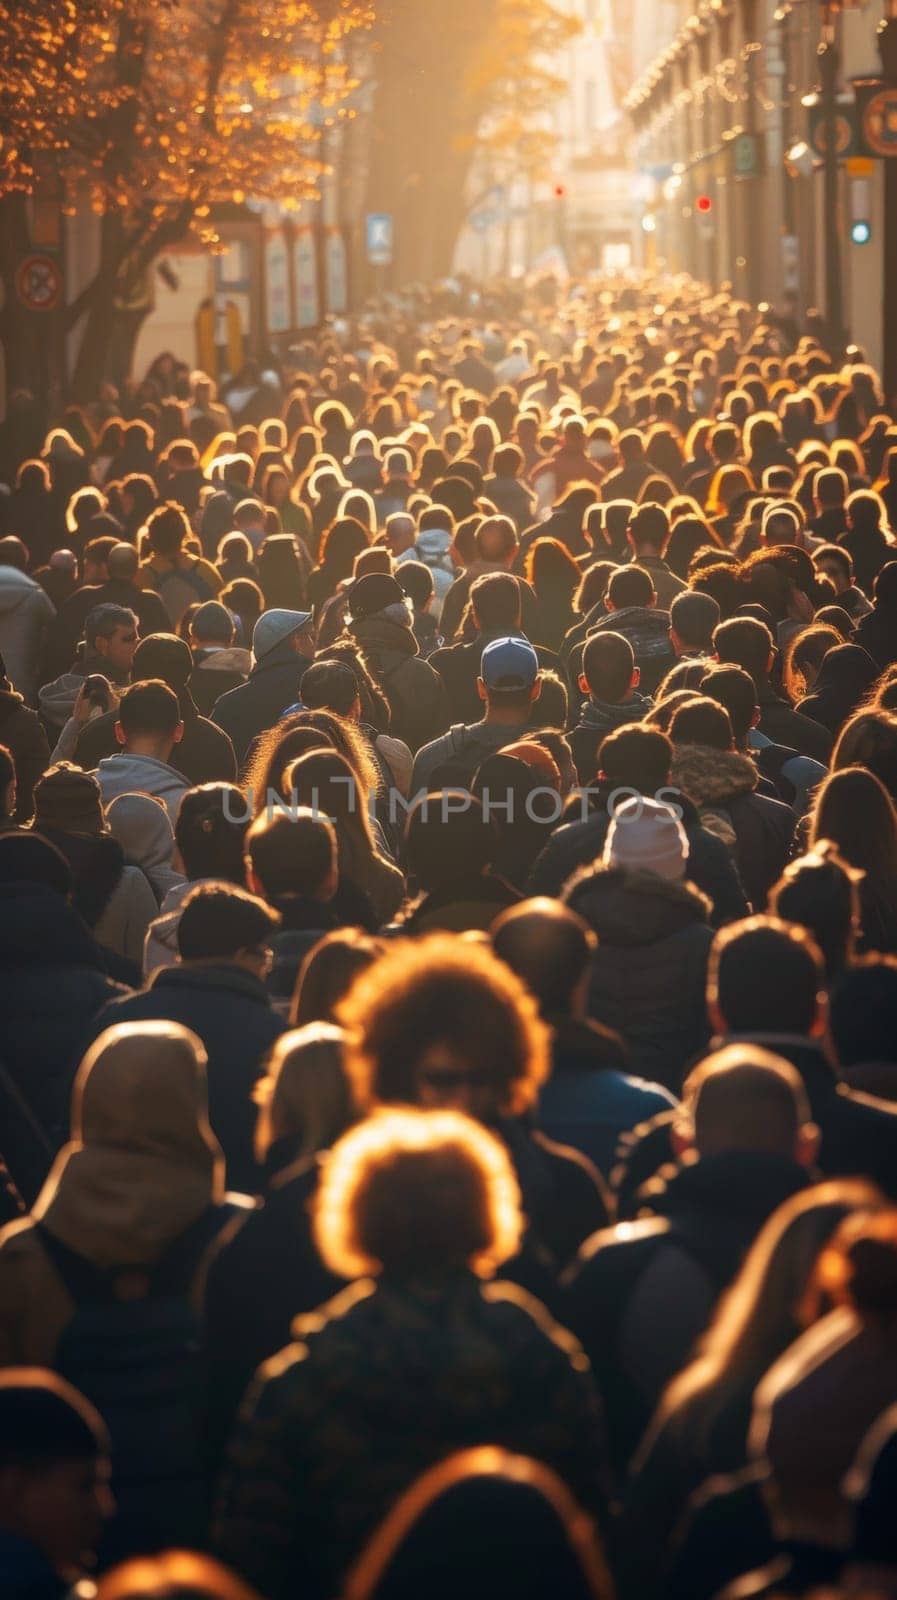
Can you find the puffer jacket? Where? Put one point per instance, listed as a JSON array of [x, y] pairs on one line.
[[26, 612], [433, 548], [649, 972], [758, 831], [417, 699]]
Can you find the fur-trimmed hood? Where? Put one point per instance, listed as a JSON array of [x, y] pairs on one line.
[[633, 908], [712, 779]]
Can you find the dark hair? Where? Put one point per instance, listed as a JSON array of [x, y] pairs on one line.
[[694, 617], [167, 528], [548, 946], [292, 854], [819, 892], [149, 707], [416, 581], [702, 721], [735, 689], [864, 1011], [102, 621], [649, 525], [44, 1420], [443, 841], [27, 857], [765, 976], [495, 598], [744, 642], [217, 921], [637, 758], [210, 830], [608, 663], [328, 972], [630, 586], [7, 768], [329, 685]]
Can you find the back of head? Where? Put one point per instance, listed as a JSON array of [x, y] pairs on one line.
[[744, 642], [548, 946], [329, 686], [630, 586], [765, 976], [820, 892], [649, 527], [702, 721], [693, 618], [292, 853], [44, 1421], [174, 1575], [608, 664], [745, 1098], [149, 710], [220, 921], [29, 858], [446, 840], [167, 528], [495, 598], [637, 758], [734, 689], [163, 656]]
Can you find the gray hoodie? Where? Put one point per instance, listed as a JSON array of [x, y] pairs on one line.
[[26, 611], [133, 774], [161, 947]]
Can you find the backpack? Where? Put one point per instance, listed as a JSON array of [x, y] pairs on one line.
[[133, 1347], [179, 589], [467, 752]]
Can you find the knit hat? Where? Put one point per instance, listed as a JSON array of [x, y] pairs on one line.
[[212, 621], [373, 593], [275, 627], [69, 799], [647, 836]]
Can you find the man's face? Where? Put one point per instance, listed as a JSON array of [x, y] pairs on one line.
[[95, 572], [447, 1083], [119, 648], [304, 644], [61, 1509]]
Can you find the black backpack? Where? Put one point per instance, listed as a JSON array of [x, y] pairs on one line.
[[467, 753], [134, 1348]]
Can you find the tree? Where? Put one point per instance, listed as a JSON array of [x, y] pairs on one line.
[[442, 94], [152, 113]]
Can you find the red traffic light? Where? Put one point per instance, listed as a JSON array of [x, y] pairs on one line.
[[559, 191], [704, 203]]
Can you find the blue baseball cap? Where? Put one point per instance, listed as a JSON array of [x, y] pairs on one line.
[[509, 665]]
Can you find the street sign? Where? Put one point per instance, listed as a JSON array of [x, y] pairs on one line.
[[378, 236], [39, 283], [845, 130], [877, 106]]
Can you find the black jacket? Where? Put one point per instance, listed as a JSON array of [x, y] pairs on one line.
[[22, 731], [458, 666], [722, 784], [230, 1011], [272, 686], [417, 700], [784, 726], [597, 719], [52, 984], [639, 1300], [578, 843], [877, 634], [204, 755], [649, 973], [303, 923]]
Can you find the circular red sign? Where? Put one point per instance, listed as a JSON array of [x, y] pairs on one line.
[[39, 283]]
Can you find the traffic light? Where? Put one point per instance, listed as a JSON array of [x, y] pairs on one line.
[[860, 232], [559, 191], [704, 203], [860, 207]]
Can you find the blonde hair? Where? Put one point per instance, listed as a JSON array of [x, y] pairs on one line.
[[417, 1193], [305, 1092]]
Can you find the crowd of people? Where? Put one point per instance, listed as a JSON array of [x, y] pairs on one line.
[[448, 964]]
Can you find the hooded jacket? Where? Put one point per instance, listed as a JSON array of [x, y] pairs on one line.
[[433, 548], [272, 686], [114, 899], [590, 1099], [228, 1008], [204, 755], [143, 830], [134, 774], [217, 671], [757, 830], [649, 972], [22, 732], [161, 945], [26, 612], [417, 699]]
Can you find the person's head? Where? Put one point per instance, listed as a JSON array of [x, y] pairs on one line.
[[834, 561], [820, 892], [414, 1195], [744, 642], [858, 1270], [745, 1098], [702, 721], [609, 672], [331, 685], [110, 635], [211, 624], [399, 533], [284, 632], [54, 1468], [415, 579], [509, 681], [853, 809], [328, 972], [496, 540], [495, 601], [551, 569], [292, 853], [167, 528], [806, 653], [304, 1097], [733, 689], [630, 586], [95, 557], [221, 923], [8, 798], [636, 758], [550, 948], [693, 619], [174, 1575], [766, 976], [830, 489], [869, 739], [648, 531], [444, 1023], [209, 832], [647, 836], [446, 836], [149, 720]]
